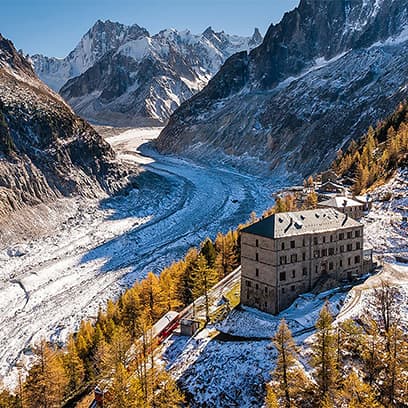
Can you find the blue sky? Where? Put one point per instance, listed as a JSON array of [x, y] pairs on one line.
[[54, 27]]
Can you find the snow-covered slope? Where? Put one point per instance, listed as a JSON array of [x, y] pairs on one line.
[[49, 283], [46, 151], [321, 76], [123, 75]]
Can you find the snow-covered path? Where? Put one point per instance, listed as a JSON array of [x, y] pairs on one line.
[[58, 280]]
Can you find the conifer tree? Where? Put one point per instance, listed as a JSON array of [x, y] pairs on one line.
[[130, 309], [125, 391], [74, 367], [357, 394], [310, 201], [169, 284], [151, 297], [324, 358], [203, 278], [8, 400], [226, 260], [185, 291], [46, 382], [287, 374], [209, 252], [271, 400]]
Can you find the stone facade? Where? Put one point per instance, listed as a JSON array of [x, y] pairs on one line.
[[279, 265]]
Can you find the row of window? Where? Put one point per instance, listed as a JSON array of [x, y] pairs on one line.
[[282, 275], [249, 284], [330, 238], [257, 301], [292, 289], [330, 265], [283, 259]]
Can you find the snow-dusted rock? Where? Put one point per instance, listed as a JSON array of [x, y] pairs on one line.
[[321, 76], [46, 151], [123, 75]]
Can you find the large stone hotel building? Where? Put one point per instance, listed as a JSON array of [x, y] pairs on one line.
[[287, 254]]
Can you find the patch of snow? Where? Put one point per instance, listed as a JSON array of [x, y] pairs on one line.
[[108, 244]]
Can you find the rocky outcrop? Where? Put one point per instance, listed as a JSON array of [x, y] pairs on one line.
[[46, 151], [122, 75], [321, 76]]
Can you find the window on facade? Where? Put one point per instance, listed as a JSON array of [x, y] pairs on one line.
[[282, 260], [357, 233], [349, 247], [283, 290], [341, 236], [357, 259], [256, 272], [266, 305], [324, 239], [247, 294], [283, 246], [293, 258], [316, 269], [248, 283], [331, 251], [266, 289], [341, 248], [331, 238], [293, 274], [256, 286], [257, 243], [349, 235], [304, 271], [324, 252], [316, 253], [257, 256], [304, 242], [292, 288], [304, 256], [282, 276], [315, 241], [292, 244], [358, 245], [349, 261], [330, 266]]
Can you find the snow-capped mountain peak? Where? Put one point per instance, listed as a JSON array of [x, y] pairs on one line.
[[122, 75]]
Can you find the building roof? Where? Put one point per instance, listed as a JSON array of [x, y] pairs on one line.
[[338, 202], [332, 184], [363, 198], [301, 222]]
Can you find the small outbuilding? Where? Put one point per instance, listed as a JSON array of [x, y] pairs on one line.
[[344, 204], [332, 187], [188, 327], [329, 175], [366, 200]]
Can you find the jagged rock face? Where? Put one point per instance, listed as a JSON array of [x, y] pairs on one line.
[[128, 77], [321, 76], [99, 40], [46, 151]]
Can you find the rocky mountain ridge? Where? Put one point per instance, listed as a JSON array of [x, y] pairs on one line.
[[46, 151], [321, 76], [123, 75]]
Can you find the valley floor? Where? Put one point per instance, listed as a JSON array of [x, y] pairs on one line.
[[47, 285]]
